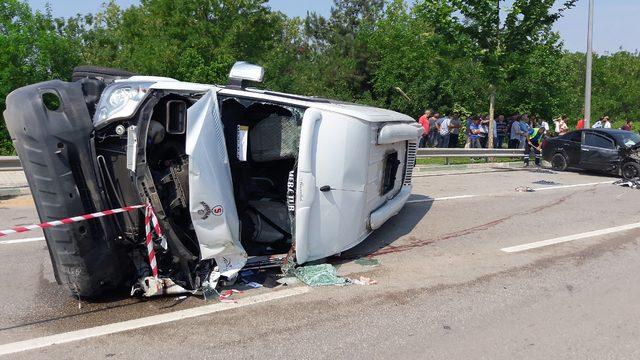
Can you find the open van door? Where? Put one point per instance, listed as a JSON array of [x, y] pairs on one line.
[[211, 203]]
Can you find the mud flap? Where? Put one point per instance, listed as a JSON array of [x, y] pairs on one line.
[[211, 202]]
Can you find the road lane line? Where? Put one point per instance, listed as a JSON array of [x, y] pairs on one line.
[[574, 185], [563, 239], [442, 198], [535, 189], [97, 331], [20, 241]]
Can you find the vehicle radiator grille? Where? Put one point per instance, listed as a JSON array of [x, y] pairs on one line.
[[412, 148]]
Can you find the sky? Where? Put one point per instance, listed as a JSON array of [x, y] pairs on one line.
[[616, 22]]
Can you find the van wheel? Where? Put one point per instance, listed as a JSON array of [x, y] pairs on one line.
[[559, 162], [630, 170]]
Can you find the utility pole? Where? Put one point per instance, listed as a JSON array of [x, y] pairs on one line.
[[587, 87]]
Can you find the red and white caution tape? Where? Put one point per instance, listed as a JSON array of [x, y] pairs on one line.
[[48, 224], [150, 219]]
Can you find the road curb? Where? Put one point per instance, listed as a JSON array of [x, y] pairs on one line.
[[508, 165], [13, 192]]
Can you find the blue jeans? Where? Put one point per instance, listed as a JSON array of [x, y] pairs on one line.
[[443, 141], [497, 142]]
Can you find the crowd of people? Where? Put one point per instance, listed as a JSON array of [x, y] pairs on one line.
[[512, 132]]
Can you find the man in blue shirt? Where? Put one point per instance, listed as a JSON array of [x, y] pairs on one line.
[[475, 132]]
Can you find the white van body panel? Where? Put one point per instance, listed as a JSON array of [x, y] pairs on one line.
[[211, 203], [339, 151]]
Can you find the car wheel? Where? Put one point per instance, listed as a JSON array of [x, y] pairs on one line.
[[630, 170], [559, 162]]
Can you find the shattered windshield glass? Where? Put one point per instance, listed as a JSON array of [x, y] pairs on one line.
[[630, 139]]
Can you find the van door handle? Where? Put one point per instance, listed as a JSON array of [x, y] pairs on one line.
[[325, 188]]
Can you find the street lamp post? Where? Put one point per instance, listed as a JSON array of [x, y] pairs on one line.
[[587, 87]]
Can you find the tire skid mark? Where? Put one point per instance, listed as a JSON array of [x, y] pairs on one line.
[[415, 242]]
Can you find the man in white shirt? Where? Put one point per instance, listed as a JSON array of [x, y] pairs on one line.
[[597, 125], [443, 131], [544, 124], [606, 123]]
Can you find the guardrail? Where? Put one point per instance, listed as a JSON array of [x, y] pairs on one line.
[[447, 153], [10, 163]]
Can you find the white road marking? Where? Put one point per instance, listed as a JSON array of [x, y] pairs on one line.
[[563, 239], [535, 189], [442, 198], [574, 185], [20, 241], [71, 336]]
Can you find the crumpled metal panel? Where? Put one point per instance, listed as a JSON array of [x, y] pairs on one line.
[[211, 200]]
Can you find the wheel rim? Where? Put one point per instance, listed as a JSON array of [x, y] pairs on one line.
[[630, 172], [558, 162]]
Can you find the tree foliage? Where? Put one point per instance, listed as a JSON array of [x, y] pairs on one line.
[[440, 54]]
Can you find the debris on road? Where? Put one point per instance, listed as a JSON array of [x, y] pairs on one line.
[[524, 189], [367, 262], [545, 182], [633, 183], [363, 280], [153, 286], [319, 275], [225, 295], [288, 281], [252, 284], [542, 171]]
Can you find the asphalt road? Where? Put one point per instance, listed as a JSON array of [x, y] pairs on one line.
[[445, 288]]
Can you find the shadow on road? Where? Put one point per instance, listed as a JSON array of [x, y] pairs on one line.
[[395, 228]]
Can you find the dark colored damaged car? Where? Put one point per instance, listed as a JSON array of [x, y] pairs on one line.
[[233, 173], [609, 151]]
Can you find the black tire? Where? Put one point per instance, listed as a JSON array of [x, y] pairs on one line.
[[559, 162], [630, 170], [107, 75]]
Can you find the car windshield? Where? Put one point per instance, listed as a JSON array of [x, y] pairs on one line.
[[629, 139]]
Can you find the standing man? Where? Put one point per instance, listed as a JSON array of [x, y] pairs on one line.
[[534, 141], [606, 123], [443, 132], [562, 124], [424, 121], [580, 124], [544, 124], [454, 125], [514, 137], [627, 126], [475, 131], [598, 124], [433, 130], [468, 124], [501, 132]]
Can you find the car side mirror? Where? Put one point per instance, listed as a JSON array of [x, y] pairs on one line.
[[243, 72]]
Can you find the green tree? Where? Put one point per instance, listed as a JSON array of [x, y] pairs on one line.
[[34, 47]]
